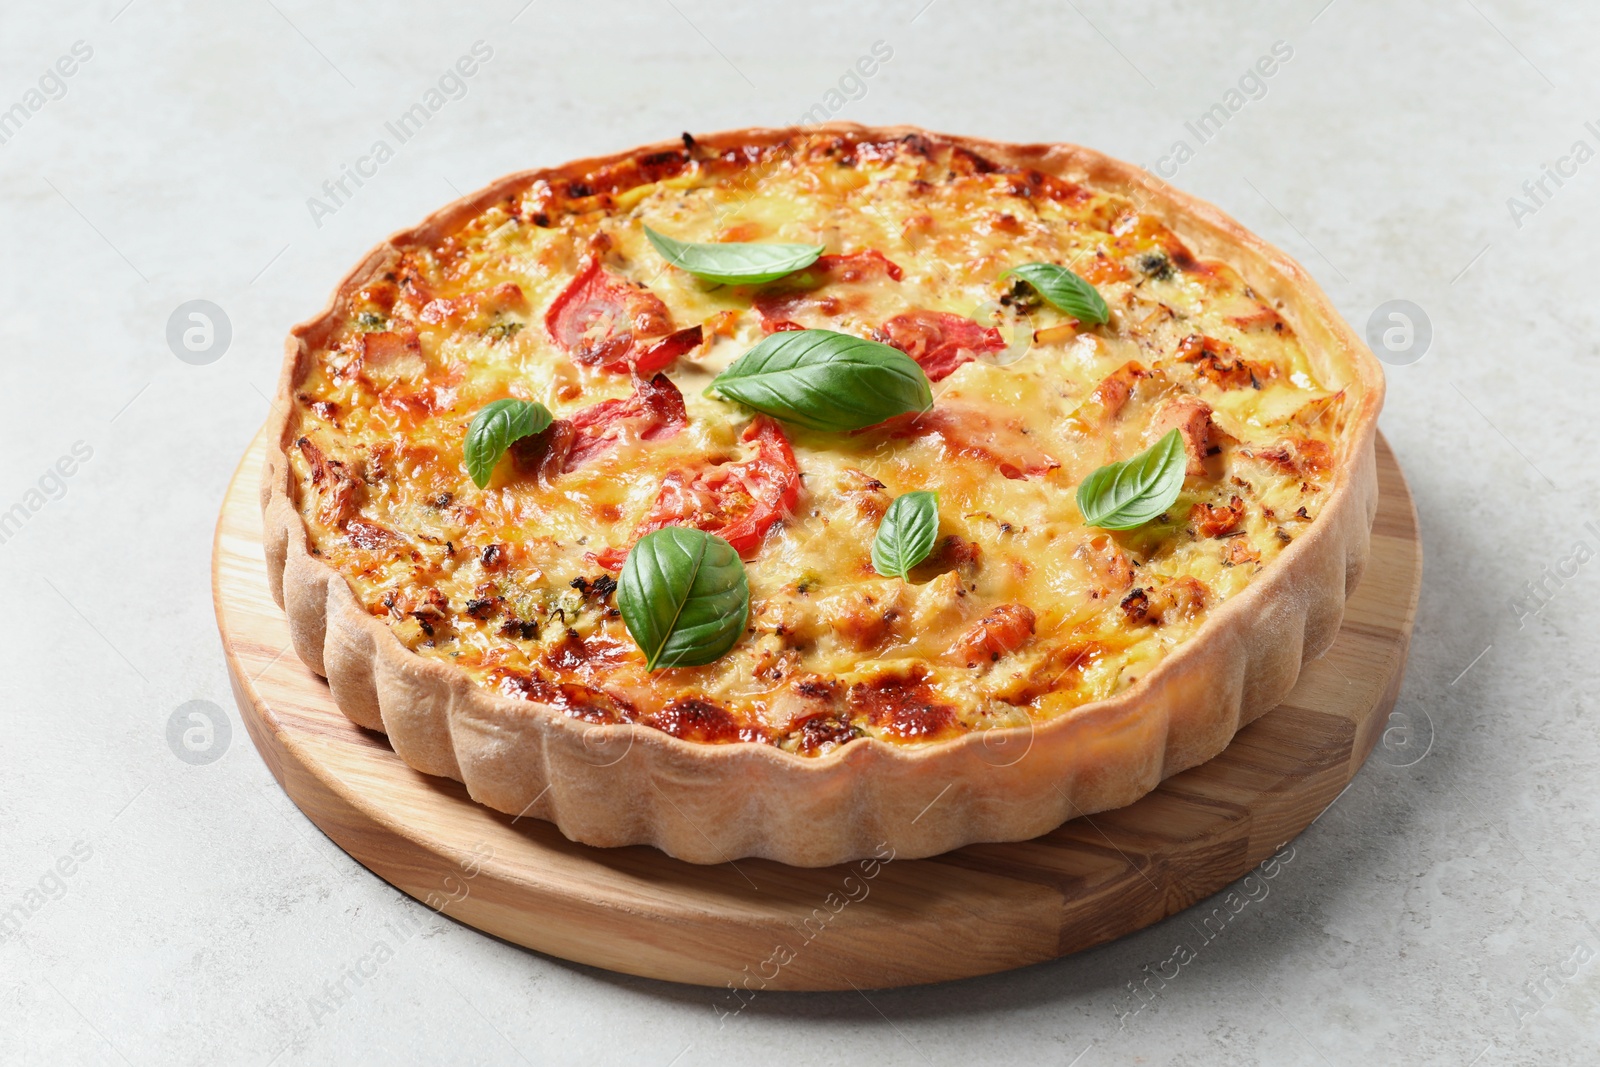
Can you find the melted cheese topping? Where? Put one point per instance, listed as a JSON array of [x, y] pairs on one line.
[[1021, 612]]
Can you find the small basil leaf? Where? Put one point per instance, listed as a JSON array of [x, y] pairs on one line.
[[684, 597], [1122, 496], [494, 428], [734, 262], [1065, 290], [906, 534], [825, 381]]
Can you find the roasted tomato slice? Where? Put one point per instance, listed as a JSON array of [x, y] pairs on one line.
[[805, 294], [939, 341], [654, 412], [391, 358], [738, 502], [659, 356], [857, 266], [1002, 631], [612, 323]]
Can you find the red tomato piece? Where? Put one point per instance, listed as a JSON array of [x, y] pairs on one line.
[[857, 266], [799, 293], [939, 341], [391, 357], [739, 502], [655, 411], [660, 355], [605, 321], [1005, 629]]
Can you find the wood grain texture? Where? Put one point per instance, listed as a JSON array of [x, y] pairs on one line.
[[758, 924]]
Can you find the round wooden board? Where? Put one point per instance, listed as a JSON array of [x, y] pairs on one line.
[[759, 924]]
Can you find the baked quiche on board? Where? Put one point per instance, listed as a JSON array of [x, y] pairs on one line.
[[803, 492]]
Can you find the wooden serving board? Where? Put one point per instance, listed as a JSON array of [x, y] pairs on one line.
[[758, 924]]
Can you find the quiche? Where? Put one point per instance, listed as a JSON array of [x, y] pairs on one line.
[[884, 386]]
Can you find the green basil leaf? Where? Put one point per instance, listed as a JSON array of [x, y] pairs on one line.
[[825, 381], [1065, 290], [734, 262], [906, 534], [1122, 496], [494, 428], [684, 597]]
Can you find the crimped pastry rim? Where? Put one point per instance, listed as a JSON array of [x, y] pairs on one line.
[[727, 801]]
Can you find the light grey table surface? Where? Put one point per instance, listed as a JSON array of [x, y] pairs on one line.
[[1443, 911]]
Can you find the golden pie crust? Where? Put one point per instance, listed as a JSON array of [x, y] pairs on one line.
[[621, 783]]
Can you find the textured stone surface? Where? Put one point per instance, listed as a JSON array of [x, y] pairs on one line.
[[1423, 919]]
